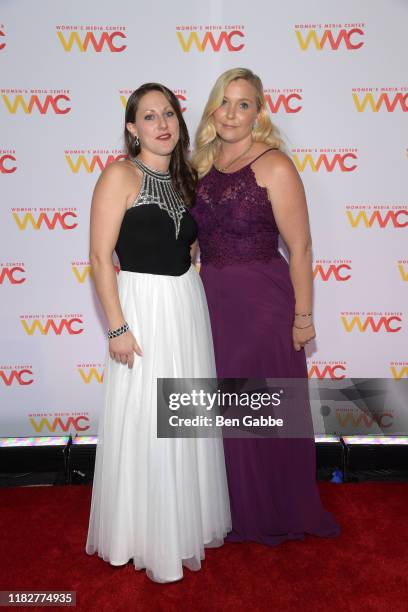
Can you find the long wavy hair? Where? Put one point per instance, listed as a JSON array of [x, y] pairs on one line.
[[207, 142], [183, 175]]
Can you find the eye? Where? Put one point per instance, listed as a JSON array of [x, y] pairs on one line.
[[170, 113], [224, 101], [244, 105], [149, 116]]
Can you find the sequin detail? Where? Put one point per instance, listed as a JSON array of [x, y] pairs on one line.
[[157, 188]]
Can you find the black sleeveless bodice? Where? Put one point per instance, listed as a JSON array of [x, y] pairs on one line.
[[157, 231]]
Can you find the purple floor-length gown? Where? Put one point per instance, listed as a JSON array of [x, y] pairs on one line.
[[272, 482]]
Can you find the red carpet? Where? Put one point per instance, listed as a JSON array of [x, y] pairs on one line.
[[43, 531]]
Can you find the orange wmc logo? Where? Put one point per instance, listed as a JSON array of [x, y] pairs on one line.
[[181, 95], [95, 38], [63, 422], [13, 273], [390, 99], [325, 159], [91, 160], [82, 270], [287, 100], [336, 370], [38, 219], [331, 37], [377, 216], [52, 324], [375, 322], [399, 369], [210, 38], [16, 375], [326, 270], [45, 102], [8, 162], [91, 372]]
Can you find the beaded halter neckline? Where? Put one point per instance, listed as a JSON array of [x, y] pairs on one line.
[[157, 188]]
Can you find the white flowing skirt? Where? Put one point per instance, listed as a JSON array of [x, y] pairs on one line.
[[157, 501]]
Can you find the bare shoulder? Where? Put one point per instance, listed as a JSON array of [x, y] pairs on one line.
[[274, 164], [119, 173]]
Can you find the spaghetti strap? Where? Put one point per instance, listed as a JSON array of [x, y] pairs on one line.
[[267, 150]]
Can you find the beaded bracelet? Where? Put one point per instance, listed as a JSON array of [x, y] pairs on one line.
[[114, 333]]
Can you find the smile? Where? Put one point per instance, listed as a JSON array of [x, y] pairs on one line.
[[164, 137]]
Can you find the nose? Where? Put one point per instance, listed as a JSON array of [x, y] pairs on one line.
[[230, 111], [163, 122]]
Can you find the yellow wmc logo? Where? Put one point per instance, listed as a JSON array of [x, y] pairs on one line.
[[400, 373], [85, 41], [89, 163], [403, 273], [84, 272], [201, 42], [88, 375]]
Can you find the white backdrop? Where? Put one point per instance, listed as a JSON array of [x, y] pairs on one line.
[[335, 79]]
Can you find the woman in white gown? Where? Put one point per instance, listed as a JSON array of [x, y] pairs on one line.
[[157, 501]]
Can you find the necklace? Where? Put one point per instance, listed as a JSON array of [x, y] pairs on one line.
[[164, 172], [235, 159]]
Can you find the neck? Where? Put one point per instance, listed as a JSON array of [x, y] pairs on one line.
[[156, 162], [229, 150]]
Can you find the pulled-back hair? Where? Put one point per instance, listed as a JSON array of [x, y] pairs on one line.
[[183, 175]]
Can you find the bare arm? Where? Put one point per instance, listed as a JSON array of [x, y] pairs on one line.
[[109, 204], [285, 188], [194, 252]]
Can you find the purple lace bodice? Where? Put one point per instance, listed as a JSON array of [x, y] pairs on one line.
[[235, 219]]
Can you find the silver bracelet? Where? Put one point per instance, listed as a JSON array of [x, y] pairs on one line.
[[114, 333]]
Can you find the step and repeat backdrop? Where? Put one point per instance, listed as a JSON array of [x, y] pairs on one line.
[[336, 85]]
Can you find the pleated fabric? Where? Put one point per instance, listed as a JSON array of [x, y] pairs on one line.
[[157, 501]]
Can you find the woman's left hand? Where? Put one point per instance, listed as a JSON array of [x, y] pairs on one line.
[[302, 336]]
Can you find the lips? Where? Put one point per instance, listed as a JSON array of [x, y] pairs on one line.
[[164, 137]]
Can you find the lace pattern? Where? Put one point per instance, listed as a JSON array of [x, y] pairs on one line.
[[235, 219]]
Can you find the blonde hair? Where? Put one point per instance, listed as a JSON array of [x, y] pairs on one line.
[[208, 142]]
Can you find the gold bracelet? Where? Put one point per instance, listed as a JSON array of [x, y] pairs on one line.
[[305, 327]]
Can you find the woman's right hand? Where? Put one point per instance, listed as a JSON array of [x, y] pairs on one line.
[[123, 348]]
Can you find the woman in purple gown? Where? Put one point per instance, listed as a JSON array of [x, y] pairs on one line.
[[260, 307]]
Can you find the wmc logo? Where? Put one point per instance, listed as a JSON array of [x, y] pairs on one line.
[[399, 369], [82, 270], [13, 273], [379, 216], [89, 160], [95, 38], [375, 321], [40, 218], [287, 100], [71, 324], [42, 101], [326, 269], [16, 375], [354, 417], [331, 37], [328, 160], [336, 370], [8, 161], [91, 372], [2, 37], [403, 269], [59, 422], [181, 95], [210, 38], [390, 99]]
